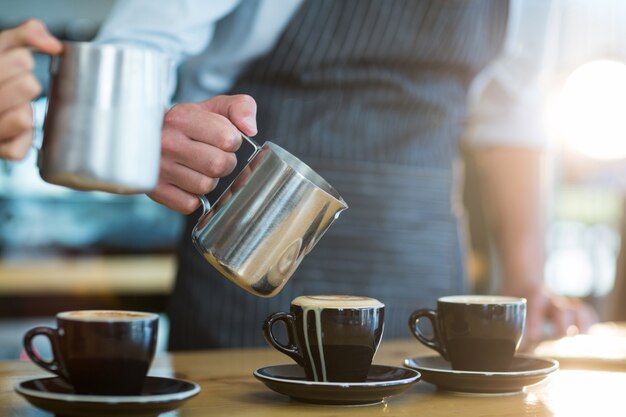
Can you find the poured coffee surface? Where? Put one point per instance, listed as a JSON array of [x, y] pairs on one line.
[[482, 299], [336, 301], [105, 315]]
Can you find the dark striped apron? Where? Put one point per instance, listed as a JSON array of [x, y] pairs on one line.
[[372, 95]]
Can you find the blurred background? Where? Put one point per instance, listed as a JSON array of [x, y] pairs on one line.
[[62, 249], [583, 115]]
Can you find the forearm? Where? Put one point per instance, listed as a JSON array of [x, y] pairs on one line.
[[511, 183]]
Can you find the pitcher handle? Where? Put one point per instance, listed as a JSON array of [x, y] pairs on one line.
[[252, 143], [230, 178]]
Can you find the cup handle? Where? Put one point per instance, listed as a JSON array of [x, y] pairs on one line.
[[52, 335], [291, 349], [230, 178], [435, 342]]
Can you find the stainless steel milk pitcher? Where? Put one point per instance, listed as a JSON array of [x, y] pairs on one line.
[[272, 215], [105, 112]]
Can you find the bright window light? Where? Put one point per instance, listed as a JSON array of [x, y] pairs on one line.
[[592, 110]]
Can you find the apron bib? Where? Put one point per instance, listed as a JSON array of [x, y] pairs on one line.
[[371, 95]]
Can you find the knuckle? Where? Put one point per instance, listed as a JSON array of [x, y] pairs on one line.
[[189, 205], [23, 59], [168, 143], [244, 99], [216, 167], [223, 134], [30, 86], [33, 24], [165, 168], [223, 165], [175, 116], [14, 151], [231, 163], [159, 196], [185, 204], [17, 155], [227, 137], [171, 115], [156, 193], [206, 185], [20, 120]]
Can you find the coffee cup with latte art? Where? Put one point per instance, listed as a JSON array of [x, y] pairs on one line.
[[101, 352], [474, 332], [333, 337]]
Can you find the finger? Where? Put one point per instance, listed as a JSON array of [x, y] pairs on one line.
[[18, 90], [14, 62], [586, 316], [186, 179], [174, 198], [16, 121], [204, 126], [562, 318], [31, 33], [16, 148], [240, 109], [198, 156]]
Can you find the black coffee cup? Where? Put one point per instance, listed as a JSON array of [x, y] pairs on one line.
[[333, 337], [474, 332], [99, 352]]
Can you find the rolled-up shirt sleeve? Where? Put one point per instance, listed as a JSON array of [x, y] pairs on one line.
[[178, 29], [507, 99]]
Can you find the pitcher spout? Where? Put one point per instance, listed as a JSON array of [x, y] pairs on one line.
[[341, 207]]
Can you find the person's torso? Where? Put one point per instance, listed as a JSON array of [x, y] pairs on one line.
[[372, 95]]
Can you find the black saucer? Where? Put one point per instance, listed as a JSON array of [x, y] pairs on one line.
[[56, 396], [382, 381], [524, 371]]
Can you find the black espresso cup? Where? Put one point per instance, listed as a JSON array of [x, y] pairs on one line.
[[474, 332], [333, 337], [101, 352]]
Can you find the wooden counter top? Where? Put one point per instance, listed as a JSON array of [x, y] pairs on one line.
[[229, 389], [145, 274]]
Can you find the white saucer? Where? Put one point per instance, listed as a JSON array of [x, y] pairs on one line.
[[524, 371], [159, 395], [382, 381]]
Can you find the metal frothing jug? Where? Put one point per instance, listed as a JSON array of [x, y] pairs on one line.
[[261, 227], [105, 111]]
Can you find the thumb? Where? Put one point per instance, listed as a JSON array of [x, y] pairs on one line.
[[31, 33], [240, 109]]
